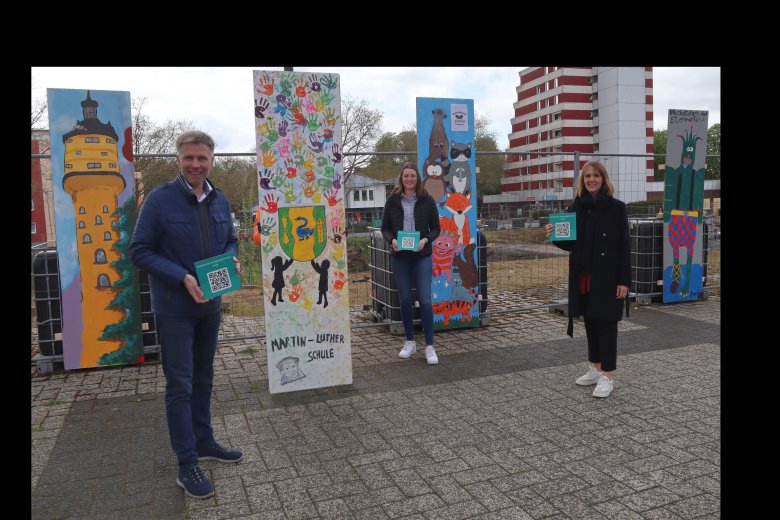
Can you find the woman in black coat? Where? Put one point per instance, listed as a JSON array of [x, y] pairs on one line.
[[599, 271], [411, 208]]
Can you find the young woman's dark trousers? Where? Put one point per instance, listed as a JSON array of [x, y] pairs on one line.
[[602, 343]]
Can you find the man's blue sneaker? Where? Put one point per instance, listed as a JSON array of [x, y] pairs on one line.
[[194, 482], [213, 451]]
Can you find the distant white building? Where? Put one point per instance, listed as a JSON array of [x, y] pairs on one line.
[[365, 199]]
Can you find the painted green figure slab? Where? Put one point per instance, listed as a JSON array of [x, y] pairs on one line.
[[683, 204]]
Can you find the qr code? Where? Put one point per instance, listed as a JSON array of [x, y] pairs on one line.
[[407, 242], [562, 229], [219, 280]]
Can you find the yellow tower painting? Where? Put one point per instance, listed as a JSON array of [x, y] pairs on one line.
[[92, 178]]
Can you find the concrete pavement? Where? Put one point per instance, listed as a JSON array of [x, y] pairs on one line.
[[498, 430]]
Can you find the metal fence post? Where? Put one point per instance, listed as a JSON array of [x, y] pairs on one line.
[[576, 172]]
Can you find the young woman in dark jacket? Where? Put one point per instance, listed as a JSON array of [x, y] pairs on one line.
[[411, 208], [599, 271]]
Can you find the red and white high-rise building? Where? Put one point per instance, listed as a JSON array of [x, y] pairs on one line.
[[42, 202], [605, 110]]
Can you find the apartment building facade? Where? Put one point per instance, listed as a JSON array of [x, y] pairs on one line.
[[563, 110]]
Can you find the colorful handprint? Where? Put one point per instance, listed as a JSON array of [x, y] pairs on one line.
[[339, 280]]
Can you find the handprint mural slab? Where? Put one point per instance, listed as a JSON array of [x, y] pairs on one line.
[[301, 214]]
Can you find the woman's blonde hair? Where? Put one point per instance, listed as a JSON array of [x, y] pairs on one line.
[[399, 187], [606, 184]]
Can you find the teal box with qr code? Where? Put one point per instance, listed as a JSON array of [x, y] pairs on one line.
[[217, 275], [564, 226], [408, 240]]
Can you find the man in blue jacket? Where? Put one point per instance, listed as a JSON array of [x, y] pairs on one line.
[[181, 222]]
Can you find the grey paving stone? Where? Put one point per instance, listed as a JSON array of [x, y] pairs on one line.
[[518, 480], [587, 472], [371, 513], [337, 490], [511, 513], [335, 508], [532, 503], [707, 484], [559, 486], [412, 505], [479, 474], [448, 489], [649, 499], [652, 463], [297, 504], [614, 509], [263, 498], [697, 506], [661, 513], [694, 468], [410, 482], [489, 496], [603, 491], [510, 462], [259, 476], [456, 511], [407, 462], [549, 468], [370, 458], [373, 475], [374, 498], [573, 507], [442, 468]]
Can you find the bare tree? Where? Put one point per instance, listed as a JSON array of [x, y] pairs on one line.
[[38, 114], [491, 167], [361, 128], [39, 111], [237, 177], [39, 119], [387, 167], [149, 137], [482, 127]]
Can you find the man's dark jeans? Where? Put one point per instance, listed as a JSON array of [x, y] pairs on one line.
[[187, 348]]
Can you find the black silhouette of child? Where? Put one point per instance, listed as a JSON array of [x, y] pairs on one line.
[[323, 287], [279, 266]]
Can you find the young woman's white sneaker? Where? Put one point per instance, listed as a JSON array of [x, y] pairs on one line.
[[408, 350], [590, 378], [430, 355], [603, 388]]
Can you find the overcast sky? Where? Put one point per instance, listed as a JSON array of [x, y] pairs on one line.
[[220, 99]]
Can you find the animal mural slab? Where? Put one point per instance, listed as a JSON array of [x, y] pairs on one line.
[[94, 214], [686, 148], [447, 162], [301, 227]]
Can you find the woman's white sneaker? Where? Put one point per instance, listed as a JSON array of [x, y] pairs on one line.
[[590, 378], [408, 350], [603, 388], [430, 355]]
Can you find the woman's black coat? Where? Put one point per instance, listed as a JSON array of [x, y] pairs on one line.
[[426, 220], [611, 262]]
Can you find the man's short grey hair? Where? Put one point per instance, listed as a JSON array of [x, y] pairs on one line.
[[194, 137]]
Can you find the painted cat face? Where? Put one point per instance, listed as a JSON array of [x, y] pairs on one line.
[[460, 151]]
